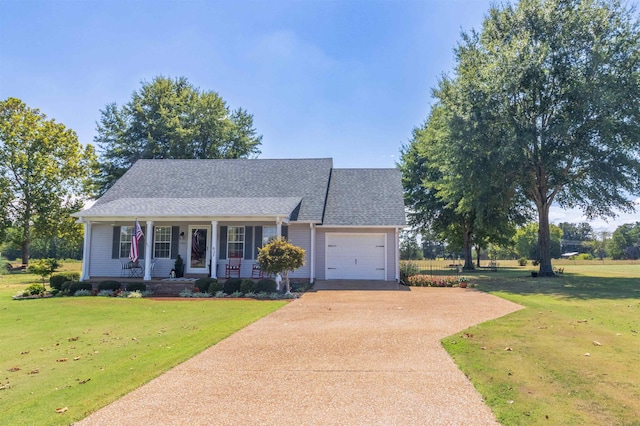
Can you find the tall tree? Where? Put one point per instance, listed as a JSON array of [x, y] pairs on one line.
[[560, 79], [625, 242], [44, 171], [452, 190], [170, 118]]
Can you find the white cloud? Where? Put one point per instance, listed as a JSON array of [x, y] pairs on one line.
[[558, 215]]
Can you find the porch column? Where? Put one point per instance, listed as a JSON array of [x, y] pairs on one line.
[[278, 227], [148, 251], [397, 256], [312, 254], [214, 255], [86, 252]]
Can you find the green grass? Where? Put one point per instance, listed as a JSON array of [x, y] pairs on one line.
[[547, 377], [84, 352]]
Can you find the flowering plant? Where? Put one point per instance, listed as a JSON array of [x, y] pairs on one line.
[[431, 281]]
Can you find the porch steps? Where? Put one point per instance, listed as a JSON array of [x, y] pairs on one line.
[[170, 286]]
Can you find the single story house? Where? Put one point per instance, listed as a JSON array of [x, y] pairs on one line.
[[208, 211]]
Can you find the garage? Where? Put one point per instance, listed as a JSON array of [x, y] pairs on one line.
[[355, 256]]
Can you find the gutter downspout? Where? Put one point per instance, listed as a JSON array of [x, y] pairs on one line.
[[312, 255]]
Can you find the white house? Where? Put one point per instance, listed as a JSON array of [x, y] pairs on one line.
[[207, 211]]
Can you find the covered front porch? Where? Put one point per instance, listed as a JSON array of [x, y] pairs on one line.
[[182, 236]]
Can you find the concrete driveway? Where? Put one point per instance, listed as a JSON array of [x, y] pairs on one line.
[[328, 358]]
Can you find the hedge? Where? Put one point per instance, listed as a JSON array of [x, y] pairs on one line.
[[56, 281]]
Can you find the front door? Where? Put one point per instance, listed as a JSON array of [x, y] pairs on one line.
[[198, 250]]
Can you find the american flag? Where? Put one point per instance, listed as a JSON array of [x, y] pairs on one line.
[[137, 234]]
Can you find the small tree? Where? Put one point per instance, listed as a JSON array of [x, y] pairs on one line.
[[280, 257], [43, 267]]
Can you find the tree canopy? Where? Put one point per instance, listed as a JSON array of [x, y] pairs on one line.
[[545, 101], [170, 118], [625, 242], [45, 174], [280, 257]]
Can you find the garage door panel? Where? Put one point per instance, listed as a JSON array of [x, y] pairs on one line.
[[355, 256]]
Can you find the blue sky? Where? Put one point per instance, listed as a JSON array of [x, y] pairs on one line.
[[341, 79]]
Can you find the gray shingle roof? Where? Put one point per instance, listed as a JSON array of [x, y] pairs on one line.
[[365, 197], [304, 179], [296, 187], [194, 207]]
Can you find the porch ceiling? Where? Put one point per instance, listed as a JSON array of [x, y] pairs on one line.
[[193, 207]]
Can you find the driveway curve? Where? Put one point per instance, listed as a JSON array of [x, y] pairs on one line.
[[328, 358]]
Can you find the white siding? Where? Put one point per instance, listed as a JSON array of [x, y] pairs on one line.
[[300, 235]]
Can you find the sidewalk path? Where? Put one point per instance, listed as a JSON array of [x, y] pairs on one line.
[[328, 358]]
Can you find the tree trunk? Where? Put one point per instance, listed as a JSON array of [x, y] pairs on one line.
[[468, 257], [544, 241], [25, 252], [286, 282], [478, 256]]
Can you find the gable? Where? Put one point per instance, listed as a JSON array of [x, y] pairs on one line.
[[365, 197]]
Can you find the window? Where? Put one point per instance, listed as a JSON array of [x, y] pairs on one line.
[[235, 241], [268, 234], [125, 240], [162, 242]]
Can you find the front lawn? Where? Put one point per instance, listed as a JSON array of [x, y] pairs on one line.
[[570, 357], [77, 354]]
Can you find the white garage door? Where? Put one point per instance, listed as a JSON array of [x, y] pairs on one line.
[[355, 256]]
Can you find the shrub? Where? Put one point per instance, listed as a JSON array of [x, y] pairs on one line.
[[232, 285], [266, 285], [186, 293], [106, 293], [214, 286], [208, 285], [247, 286], [43, 267], [584, 256], [56, 281], [109, 285], [75, 286], [431, 281], [523, 261], [134, 295], [202, 283], [136, 287], [236, 294], [300, 287], [35, 290], [220, 294], [408, 269], [82, 292], [65, 287]]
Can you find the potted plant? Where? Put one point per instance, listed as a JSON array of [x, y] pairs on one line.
[[179, 267], [463, 282]]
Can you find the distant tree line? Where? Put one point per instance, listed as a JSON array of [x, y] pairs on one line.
[[622, 244]]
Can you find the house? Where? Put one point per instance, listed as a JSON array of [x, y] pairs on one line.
[[208, 211]]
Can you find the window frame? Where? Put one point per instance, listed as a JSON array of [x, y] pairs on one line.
[[238, 240], [126, 232], [267, 239], [168, 233]]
